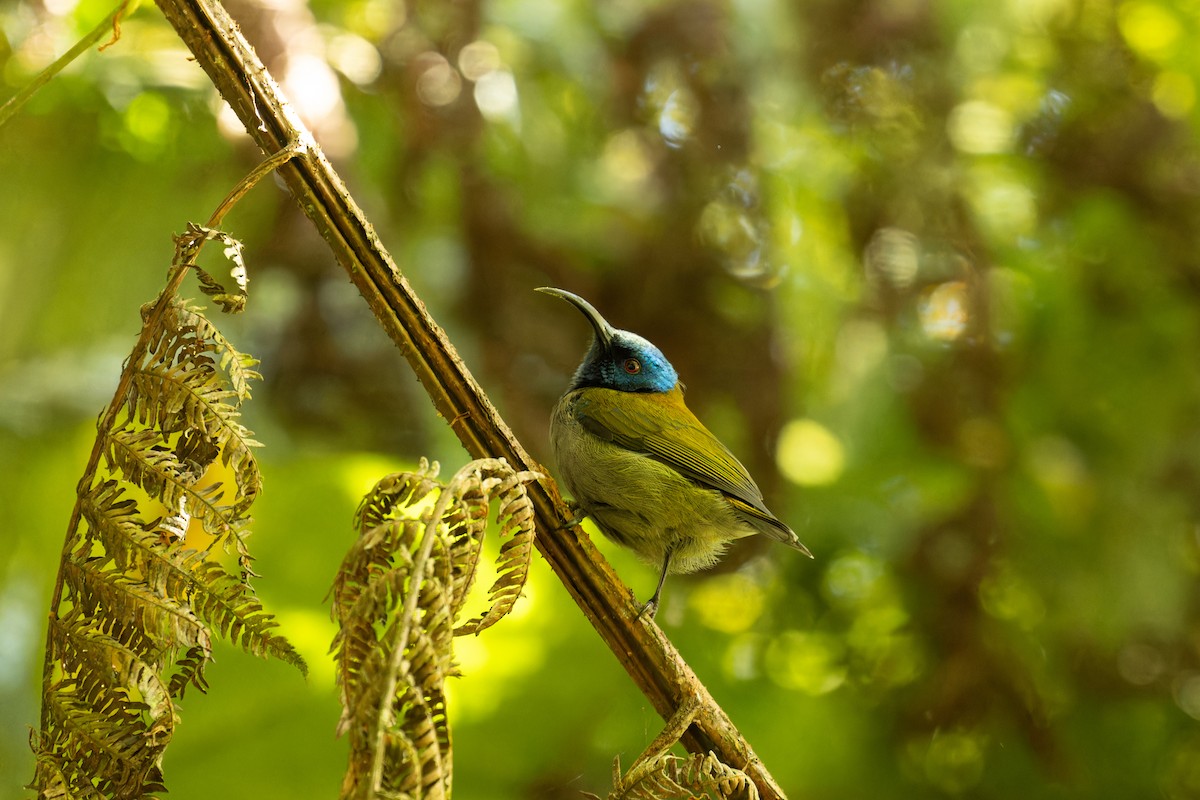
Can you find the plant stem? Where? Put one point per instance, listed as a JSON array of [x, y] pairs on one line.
[[639, 645], [110, 23]]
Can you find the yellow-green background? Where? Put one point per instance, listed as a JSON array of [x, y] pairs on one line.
[[931, 268]]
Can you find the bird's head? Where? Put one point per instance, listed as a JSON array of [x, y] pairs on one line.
[[618, 359]]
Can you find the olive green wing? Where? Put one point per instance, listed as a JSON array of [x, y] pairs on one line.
[[661, 427]]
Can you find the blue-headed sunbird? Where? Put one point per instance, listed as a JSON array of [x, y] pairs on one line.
[[640, 463]]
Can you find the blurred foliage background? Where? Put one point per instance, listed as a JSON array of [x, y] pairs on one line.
[[930, 267]]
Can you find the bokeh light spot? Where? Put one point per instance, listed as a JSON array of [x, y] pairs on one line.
[[627, 160], [954, 760], [895, 254], [725, 227], [372, 19], [1174, 94], [355, 57], [809, 454], [884, 652], [1187, 694], [1149, 28], [1006, 595], [478, 59], [678, 117], [1141, 664], [728, 603], [19, 636], [741, 659], [1038, 13], [943, 311], [860, 349], [312, 86], [981, 47], [147, 120], [496, 95], [439, 84], [807, 662], [852, 578], [980, 127], [1005, 205], [1065, 478]]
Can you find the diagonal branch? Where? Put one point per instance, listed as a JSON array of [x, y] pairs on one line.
[[649, 658]]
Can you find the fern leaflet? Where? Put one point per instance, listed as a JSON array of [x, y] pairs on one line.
[[135, 608], [396, 598]]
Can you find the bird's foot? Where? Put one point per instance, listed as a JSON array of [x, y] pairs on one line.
[[651, 606], [649, 609], [578, 515]]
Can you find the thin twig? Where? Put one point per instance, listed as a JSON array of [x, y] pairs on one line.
[[264, 168], [110, 23]]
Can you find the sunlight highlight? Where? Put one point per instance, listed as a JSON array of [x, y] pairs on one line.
[[1005, 204], [310, 632], [148, 122], [60, 8], [806, 662], [980, 127], [496, 95], [478, 58], [627, 161], [1149, 29], [895, 254], [439, 83], [728, 603], [678, 117], [355, 57], [943, 311], [809, 454], [357, 474], [1174, 94], [312, 87]]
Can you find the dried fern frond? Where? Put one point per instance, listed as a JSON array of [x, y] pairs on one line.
[[659, 775], [396, 599], [693, 777], [135, 610], [231, 302]]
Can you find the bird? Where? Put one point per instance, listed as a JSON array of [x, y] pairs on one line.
[[642, 465]]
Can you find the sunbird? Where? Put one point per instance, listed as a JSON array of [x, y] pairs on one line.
[[643, 467]]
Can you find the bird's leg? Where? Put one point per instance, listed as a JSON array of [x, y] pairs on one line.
[[578, 515], [651, 606]]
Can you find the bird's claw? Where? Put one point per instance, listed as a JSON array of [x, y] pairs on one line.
[[578, 515], [649, 610]]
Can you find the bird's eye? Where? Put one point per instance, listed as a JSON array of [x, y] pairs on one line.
[[633, 366]]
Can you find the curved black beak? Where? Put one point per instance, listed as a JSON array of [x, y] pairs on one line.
[[604, 331]]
